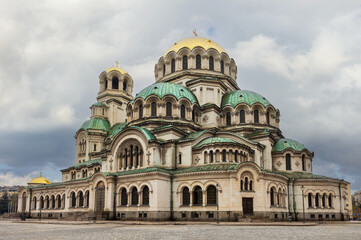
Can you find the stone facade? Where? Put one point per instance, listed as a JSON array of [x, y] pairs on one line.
[[182, 146]]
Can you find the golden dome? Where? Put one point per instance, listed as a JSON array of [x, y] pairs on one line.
[[195, 42], [39, 180], [122, 71]]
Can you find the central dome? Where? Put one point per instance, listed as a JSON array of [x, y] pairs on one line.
[[195, 42]]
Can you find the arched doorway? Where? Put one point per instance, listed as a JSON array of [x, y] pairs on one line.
[[99, 197]]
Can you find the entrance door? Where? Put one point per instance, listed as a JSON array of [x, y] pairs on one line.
[[99, 197], [247, 205]]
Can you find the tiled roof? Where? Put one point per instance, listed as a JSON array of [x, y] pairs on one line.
[[96, 124], [285, 143], [163, 89], [243, 96], [213, 140], [85, 164]]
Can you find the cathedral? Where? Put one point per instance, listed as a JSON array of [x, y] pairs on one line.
[[192, 146]]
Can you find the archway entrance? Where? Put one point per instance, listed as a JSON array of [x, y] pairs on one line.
[[99, 197]]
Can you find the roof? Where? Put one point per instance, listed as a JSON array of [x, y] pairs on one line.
[[163, 89], [303, 175], [285, 143], [122, 71], [99, 104], [116, 129], [212, 140], [193, 42], [39, 180], [194, 135], [85, 164], [243, 96], [146, 132], [213, 167], [96, 124]]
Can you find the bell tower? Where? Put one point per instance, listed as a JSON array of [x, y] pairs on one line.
[[116, 87]]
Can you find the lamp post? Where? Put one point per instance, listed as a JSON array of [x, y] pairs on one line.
[[217, 204], [41, 193], [303, 204]]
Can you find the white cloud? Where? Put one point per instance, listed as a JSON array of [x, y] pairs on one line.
[[10, 179]]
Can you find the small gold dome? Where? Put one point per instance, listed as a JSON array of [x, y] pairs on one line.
[[195, 42], [39, 180], [122, 71]]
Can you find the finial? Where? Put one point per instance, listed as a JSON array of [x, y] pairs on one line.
[[195, 33], [40, 174], [116, 63]]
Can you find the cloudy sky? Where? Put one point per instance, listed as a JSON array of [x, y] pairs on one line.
[[304, 57]]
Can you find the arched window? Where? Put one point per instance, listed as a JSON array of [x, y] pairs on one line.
[[246, 183], [123, 197], [303, 163], [125, 85], [224, 154], [242, 116], [330, 201], [168, 109], [41, 202], [222, 66], [115, 83], [81, 199], [87, 199], [183, 112], [256, 116], [211, 158], [198, 62], [136, 156], [241, 185], [288, 161], [317, 203], [73, 199], [186, 196], [267, 118], [236, 156], [185, 62], [324, 200], [228, 119], [163, 69], [193, 115], [310, 200], [53, 202], [131, 156], [153, 109], [135, 196], [211, 195], [146, 195], [250, 185], [180, 158], [197, 196], [106, 83], [172, 68], [272, 195], [211, 63], [126, 158], [34, 201], [140, 111]]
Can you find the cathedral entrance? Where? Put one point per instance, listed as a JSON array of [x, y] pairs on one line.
[[99, 197], [247, 205]]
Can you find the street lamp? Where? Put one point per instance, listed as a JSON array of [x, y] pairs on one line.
[[41, 204], [217, 204], [303, 204]]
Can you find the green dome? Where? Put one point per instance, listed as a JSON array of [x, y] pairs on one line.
[[116, 129], [99, 104], [243, 96], [96, 124], [163, 89], [213, 140], [285, 143]]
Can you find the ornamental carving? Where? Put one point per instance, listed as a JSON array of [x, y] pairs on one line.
[[218, 119], [205, 119], [279, 164], [297, 163]]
